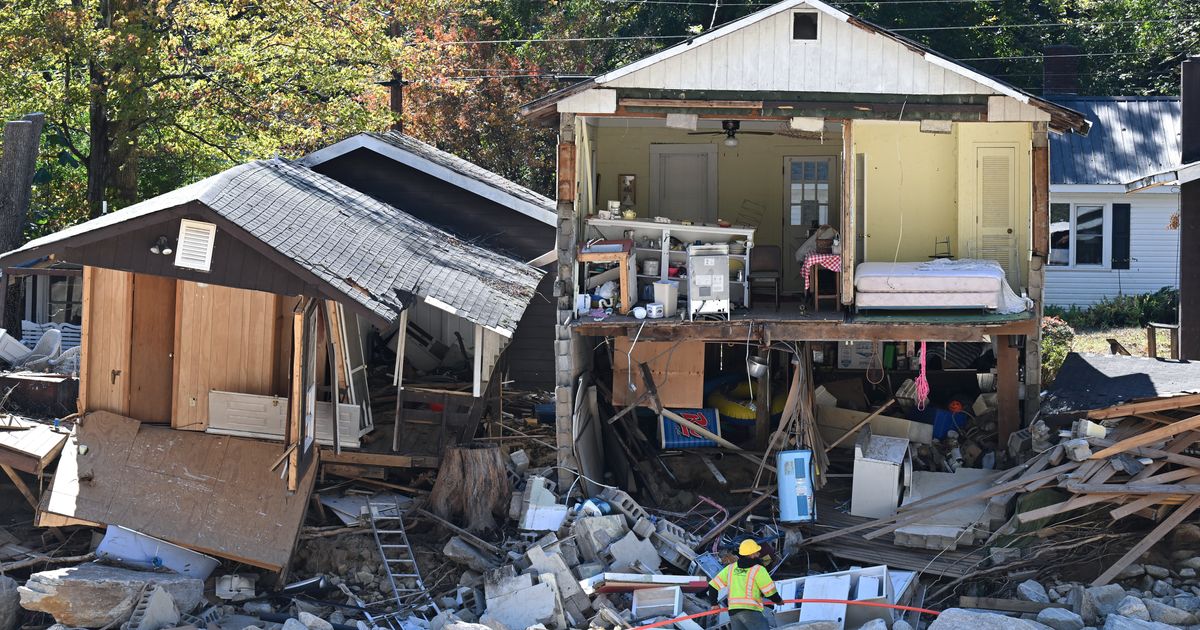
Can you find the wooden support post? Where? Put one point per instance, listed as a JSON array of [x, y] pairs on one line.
[[849, 230], [1008, 414], [762, 403], [1037, 264], [1189, 214], [20, 484], [1151, 342]]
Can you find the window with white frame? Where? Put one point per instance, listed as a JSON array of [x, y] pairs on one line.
[[1077, 235]]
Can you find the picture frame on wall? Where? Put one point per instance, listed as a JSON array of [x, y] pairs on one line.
[[627, 190]]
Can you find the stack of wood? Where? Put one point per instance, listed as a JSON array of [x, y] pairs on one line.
[[1137, 468]]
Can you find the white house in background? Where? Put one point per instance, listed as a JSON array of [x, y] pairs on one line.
[[1103, 241]]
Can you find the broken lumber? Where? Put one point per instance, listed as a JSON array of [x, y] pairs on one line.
[[860, 424], [1149, 540], [1149, 437]]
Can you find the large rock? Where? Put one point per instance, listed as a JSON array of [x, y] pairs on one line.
[[10, 603], [1133, 608], [1060, 619], [527, 607], [1099, 601], [1033, 591], [464, 553], [1164, 613], [959, 619], [875, 624], [94, 595], [1117, 622]]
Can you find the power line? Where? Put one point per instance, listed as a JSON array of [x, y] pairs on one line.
[[1044, 57], [1039, 25]]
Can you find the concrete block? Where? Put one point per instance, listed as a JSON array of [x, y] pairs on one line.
[[503, 582], [623, 553], [583, 571], [567, 586], [93, 595], [520, 461], [155, 611], [623, 503], [593, 534], [540, 509], [527, 607], [463, 553], [644, 527]]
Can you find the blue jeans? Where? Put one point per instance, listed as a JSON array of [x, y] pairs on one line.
[[748, 620]]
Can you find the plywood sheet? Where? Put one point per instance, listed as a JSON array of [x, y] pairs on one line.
[[225, 340], [32, 449], [677, 368], [152, 346], [107, 321], [211, 493]]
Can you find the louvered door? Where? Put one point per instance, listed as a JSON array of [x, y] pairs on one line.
[[996, 205]]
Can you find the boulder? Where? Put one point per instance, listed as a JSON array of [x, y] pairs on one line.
[[1162, 588], [94, 595], [875, 624], [313, 622], [293, 624], [1033, 591], [1117, 622], [461, 552], [901, 625], [1133, 608], [959, 619], [1134, 570], [1060, 619], [10, 604], [1185, 536], [1099, 601], [1165, 613], [1155, 571]]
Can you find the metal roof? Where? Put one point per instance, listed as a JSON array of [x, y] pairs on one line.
[[1130, 137], [373, 254], [447, 166]]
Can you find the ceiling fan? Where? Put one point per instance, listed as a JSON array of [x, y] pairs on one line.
[[730, 129]]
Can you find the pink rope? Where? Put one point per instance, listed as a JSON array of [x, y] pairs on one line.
[[922, 383]]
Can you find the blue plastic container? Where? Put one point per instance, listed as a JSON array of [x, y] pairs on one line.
[[796, 499]]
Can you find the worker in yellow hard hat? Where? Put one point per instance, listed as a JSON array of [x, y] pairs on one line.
[[749, 583]]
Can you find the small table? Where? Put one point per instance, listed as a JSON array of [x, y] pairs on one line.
[[832, 262], [622, 258]]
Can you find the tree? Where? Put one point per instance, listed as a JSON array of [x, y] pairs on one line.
[[146, 95]]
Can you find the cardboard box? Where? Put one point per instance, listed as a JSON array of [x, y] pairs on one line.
[[677, 368]]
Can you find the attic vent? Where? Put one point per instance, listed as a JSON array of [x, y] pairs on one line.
[[195, 247], [804, 26]]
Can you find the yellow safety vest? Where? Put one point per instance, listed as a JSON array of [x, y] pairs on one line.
[[747, 587]]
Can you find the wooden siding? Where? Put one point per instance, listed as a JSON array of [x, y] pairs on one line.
[[529, 358], [1154, 250], [225, 340], [107, 321], [763, 57]]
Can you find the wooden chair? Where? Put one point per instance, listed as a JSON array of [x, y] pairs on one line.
[[766, 265]]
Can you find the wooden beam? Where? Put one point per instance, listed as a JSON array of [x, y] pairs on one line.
[[1149, 541], [1041, 191], [689, 103], [1008, 413], [1155, 404], [1006, 605], [1149, 437], [20, 484], [386, 460], [296, 404], [798, 330], [1069, 505], [1134, 488]]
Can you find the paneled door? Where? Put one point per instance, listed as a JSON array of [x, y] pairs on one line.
[[683, 182], [810, 198], [995, 225]]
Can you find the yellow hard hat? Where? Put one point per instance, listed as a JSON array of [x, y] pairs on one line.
[[748, 547]]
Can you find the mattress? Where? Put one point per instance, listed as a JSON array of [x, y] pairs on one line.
[[925, 301], [926, 277]]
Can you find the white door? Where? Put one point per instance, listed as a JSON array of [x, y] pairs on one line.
[[683, 182], [996, 204]]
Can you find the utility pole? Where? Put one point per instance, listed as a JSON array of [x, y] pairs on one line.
[[1189, 215]]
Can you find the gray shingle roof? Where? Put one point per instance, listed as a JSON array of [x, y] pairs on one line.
[[366, 250], [1130, 137], [1096, 381]]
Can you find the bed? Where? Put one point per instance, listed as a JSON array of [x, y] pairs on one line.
[[935, 284]]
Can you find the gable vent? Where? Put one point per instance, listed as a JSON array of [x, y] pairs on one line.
[[195, 247]]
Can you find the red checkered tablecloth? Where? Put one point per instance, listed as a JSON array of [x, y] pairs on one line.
[[832, 262]]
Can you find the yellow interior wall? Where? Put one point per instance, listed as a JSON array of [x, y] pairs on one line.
[[1018, 135], [750, 174], [911, 189]]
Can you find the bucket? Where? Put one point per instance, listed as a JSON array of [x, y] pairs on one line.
[[650, 267], [757, 366], [666, 292]]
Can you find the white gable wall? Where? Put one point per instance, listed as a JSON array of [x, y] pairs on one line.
[[763, 56], [1153, 248]]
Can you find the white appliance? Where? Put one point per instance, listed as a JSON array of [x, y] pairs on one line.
[[708, 280], [882, 467]]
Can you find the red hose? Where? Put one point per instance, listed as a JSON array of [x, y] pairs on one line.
[[714, 611]]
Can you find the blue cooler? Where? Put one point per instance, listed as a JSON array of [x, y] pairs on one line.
[[796, 501], [676, 436]]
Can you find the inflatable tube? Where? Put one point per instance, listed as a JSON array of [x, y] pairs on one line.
[[735, 403]]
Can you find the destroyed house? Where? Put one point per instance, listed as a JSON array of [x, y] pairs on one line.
[[233, 328], [797, 187], [470, 202]]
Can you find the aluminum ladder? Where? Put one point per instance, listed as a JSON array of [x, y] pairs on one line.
[[387, 525]]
